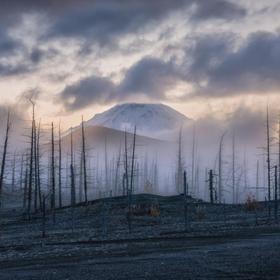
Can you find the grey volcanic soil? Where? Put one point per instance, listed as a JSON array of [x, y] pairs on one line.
[[221, 242]]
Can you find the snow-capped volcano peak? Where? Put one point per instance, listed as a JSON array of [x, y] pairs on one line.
[[150, 119]]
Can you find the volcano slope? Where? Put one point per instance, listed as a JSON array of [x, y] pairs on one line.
[[92, 241]]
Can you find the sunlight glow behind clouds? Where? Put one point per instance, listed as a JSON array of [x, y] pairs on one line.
[[55, 62]]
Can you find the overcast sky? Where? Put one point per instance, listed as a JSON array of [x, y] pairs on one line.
[[80, 57]]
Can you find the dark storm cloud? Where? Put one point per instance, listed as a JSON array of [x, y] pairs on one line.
[[254, 67], [149, 77], [218, 9], [87, 91], [93, 22], [8, 45], [217, 69], [103, 21]]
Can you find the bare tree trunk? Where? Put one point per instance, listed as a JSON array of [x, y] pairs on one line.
[[38, 165], [133, 162], [13, 173], [220, 186], [31, 161], [211, 186], [52, 170], [193, 160], [257, 181], [21, 172], [73, 189], [275, 194], [233, 168], [126, 162], [185, 201], [25, 187], [107, 187], [179, 176], [4, 155], [279, 153], [84, 162], [268, 160], [35, 169], [130, 191], [81, 179], [59, 169]]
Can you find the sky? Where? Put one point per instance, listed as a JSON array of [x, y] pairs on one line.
[[208, 59]]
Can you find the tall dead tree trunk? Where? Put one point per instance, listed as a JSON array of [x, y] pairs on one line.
[[133, 162], [84, 162], [268, 160], [52, 170], [4, 155], [73, 189], [35, 169], [220, 183], [179, 177], [193, 160], [30, 181], [185, 201], [25, 190], [118, 162], [59, 169], [38, 165], [21, 172], [275, 194], [211, 186], [257, 181], [279, 152], [14, 173], [233, 168], [126, 162]]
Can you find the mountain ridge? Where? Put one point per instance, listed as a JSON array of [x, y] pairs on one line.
[[149, 118]]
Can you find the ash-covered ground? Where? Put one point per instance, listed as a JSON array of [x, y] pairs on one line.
[[93, 241]]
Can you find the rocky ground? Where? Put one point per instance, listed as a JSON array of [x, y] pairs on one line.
[[93, 241]]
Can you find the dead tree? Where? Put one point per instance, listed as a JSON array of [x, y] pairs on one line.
[[193, 159], [257, 181], [31, 157], [38, 166], [185, 200], [73, 188], [21, 172], [233, 168], [126, 162], [130, 191], [52, 170], [84, 161], [279, 152], [275, 194], [14, 173], [118, 163], [268, 160], [35, 169], [81, 179], [25, 188], [220, 183], [179, 176], [59, 169], [133, 162], [211, 186], [4, 155]]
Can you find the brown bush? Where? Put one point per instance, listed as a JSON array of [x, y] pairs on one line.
[[154, 211], [251, 204]]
